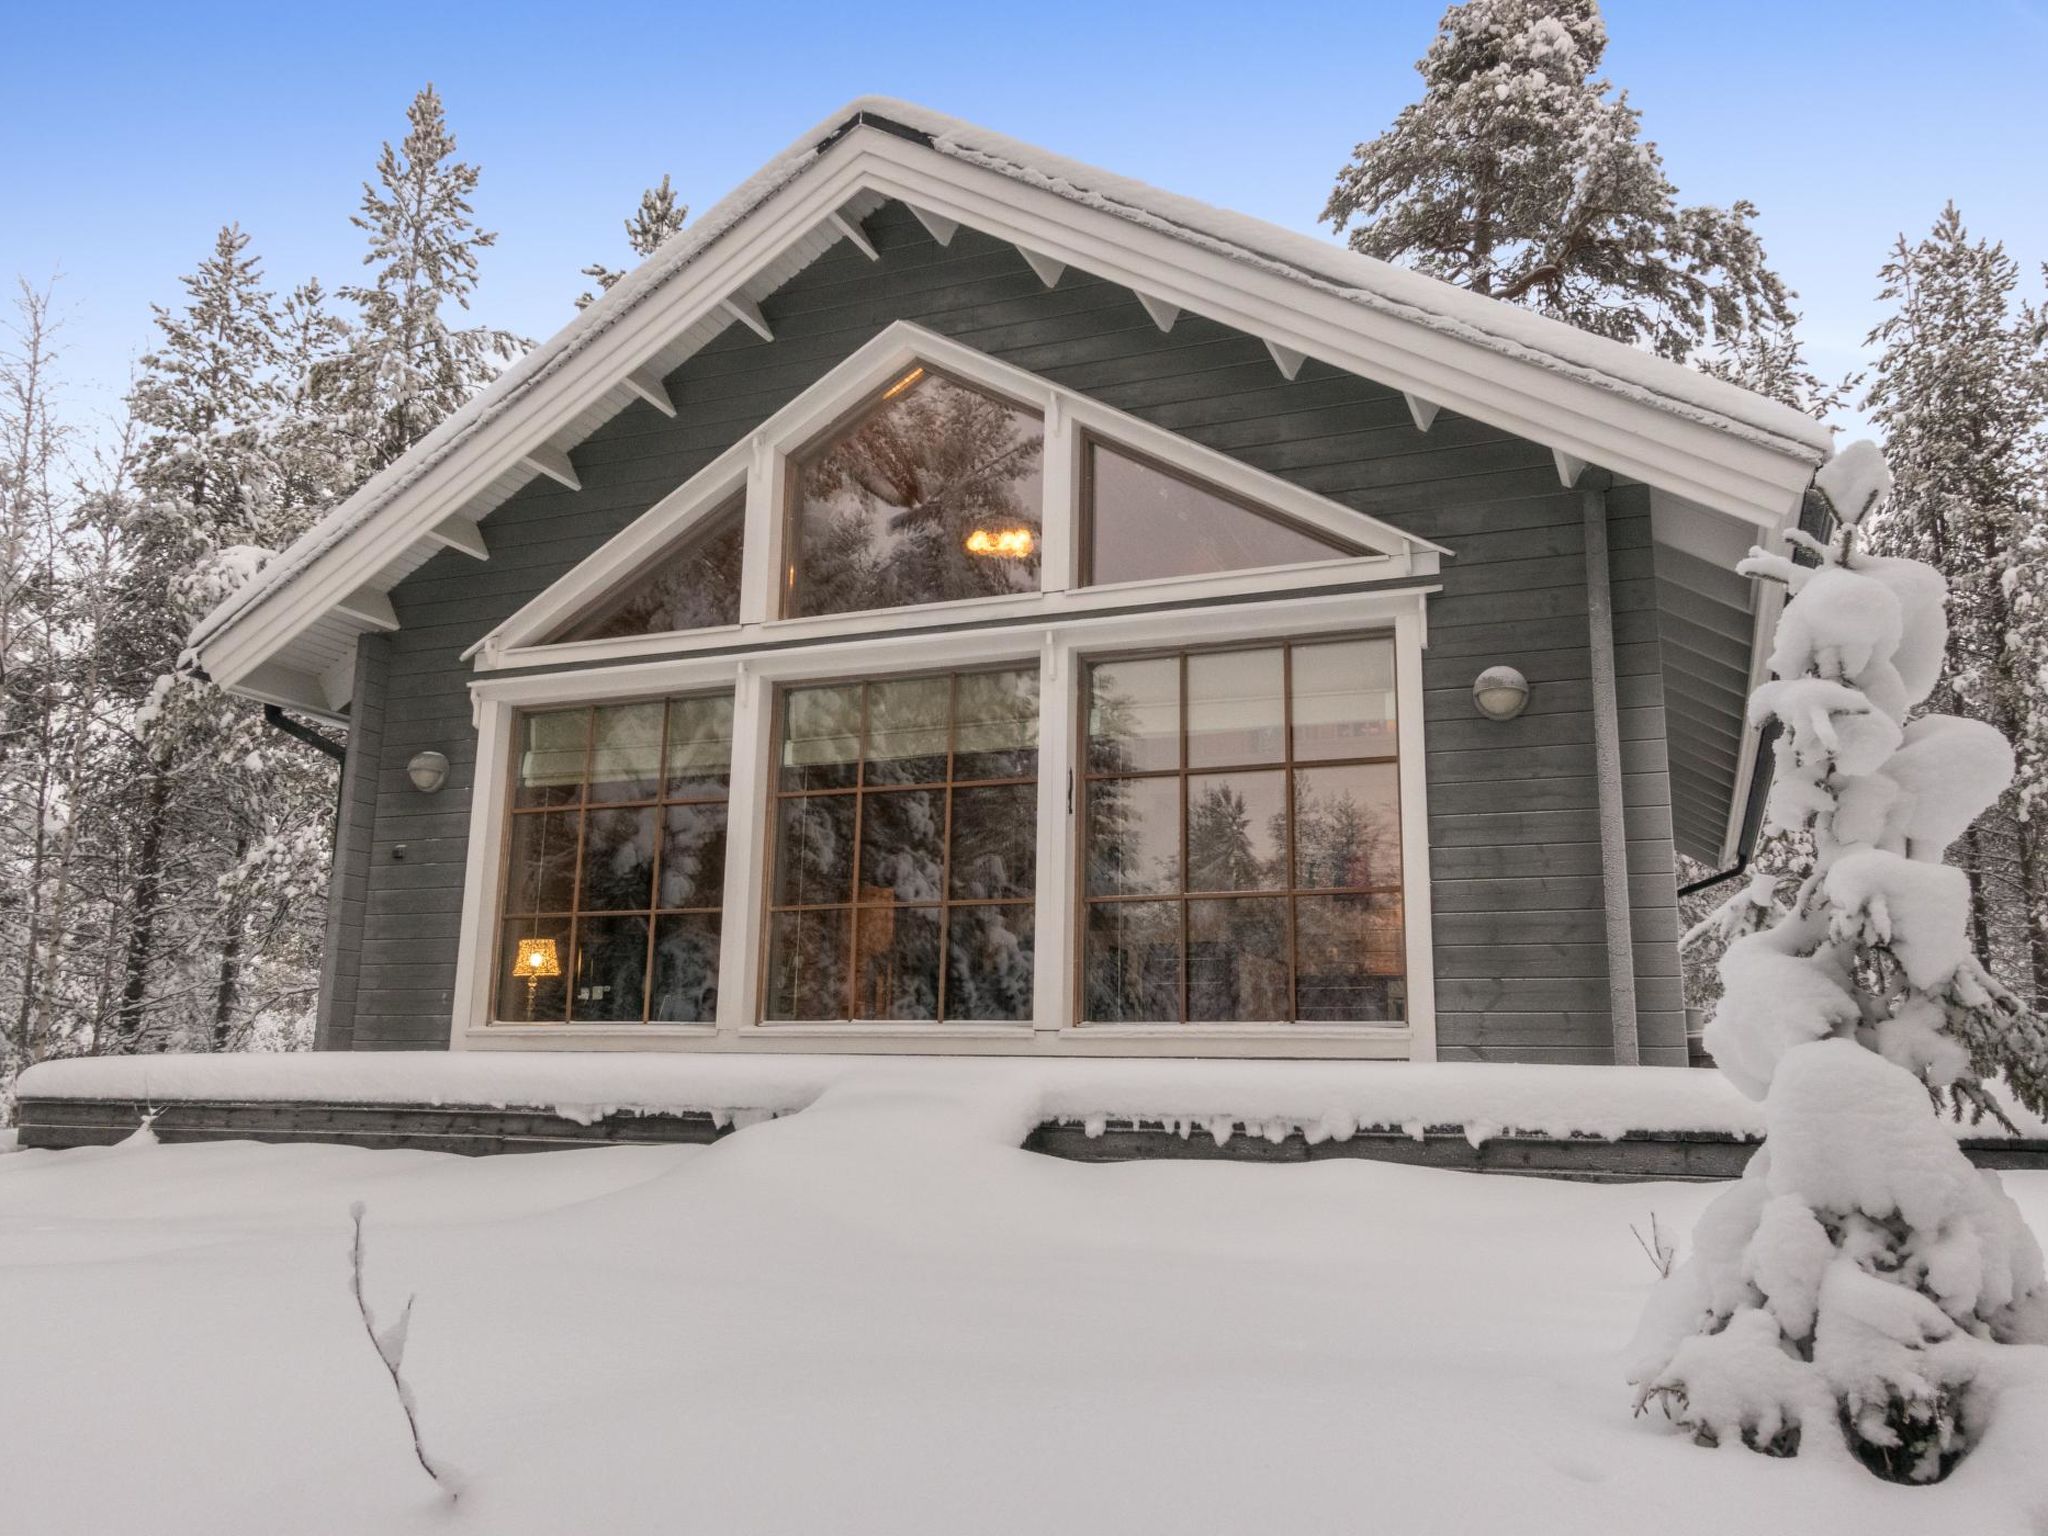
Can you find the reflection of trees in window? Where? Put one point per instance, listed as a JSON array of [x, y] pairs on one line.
[[905, 866], [887, 514], [1242, 858], [615, 872], [696, 587]]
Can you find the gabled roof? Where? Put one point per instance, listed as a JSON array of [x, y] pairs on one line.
[[288, 635]]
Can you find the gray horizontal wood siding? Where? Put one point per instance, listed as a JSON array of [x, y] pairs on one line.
[[1515, 842]]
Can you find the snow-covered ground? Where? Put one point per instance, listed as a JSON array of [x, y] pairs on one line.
[[873, 1314]]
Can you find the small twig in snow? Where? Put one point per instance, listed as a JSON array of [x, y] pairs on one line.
[[1658, 1248], [390, 1347]]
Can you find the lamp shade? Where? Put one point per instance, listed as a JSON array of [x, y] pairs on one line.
[[537, 958], [428, 771], [1501, 693]]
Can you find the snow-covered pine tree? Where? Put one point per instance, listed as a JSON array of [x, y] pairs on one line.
[[311, 450], [1519, 176], [1851, 1294], [409, 368], [658, 216], [1960, 392], [209, 790]]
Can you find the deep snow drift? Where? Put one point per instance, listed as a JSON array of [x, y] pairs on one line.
[[874, 1314]]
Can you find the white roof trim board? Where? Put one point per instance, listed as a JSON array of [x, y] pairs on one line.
[[1588, 398]]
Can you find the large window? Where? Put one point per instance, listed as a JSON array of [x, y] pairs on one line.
[[1242, 858], [905, 849], [616, 864], [1145, 522], [933, 493]]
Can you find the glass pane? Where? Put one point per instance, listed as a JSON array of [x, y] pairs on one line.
[[933, 495], [1134, 715], [696, 587], [1131, 973], [533, 966], [693, 855], [1236, 713], [1350, 956], [1237, 831], [995, 842], [699, 747], [1344, 700], [820, 737], [1146, 524], [611, 970], [685, 969], [988, 963], [907, 730], [551, 753], [896, 962], [625, 754], [807, 958], [618, 860], [1347, 826], [1133, 836], [902, 845], [541, 873], [814, 850], [995, 735], [1237, 961]]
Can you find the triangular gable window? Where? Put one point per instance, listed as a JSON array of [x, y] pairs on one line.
[[932, 494], [1146, 522], [696, 586]]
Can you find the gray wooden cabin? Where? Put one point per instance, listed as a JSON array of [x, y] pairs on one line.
[[1492, 490]]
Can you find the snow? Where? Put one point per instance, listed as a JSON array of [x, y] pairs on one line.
[[877, 1314], [1855, 480], [1372, 284], [1884, 1283], [1322, 1099]]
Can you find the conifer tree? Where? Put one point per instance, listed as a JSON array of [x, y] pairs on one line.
[[1958, 391], [1520, 176], [312, 452], [218, 400], [409, 369], [657, 217], [1854, 1291]]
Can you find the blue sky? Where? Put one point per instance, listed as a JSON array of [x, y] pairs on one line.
[[130, 133]]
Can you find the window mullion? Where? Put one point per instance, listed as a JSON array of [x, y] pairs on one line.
[[744, 918], [1054, 940]]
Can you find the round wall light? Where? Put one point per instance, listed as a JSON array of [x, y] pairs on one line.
[[1501, 693], [428, 771]]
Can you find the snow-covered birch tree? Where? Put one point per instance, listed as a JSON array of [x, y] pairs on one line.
[[1523, 175], [1853, 1293]]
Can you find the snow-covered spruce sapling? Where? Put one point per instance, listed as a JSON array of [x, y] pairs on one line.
[[390, 1346], [1853, 1292]]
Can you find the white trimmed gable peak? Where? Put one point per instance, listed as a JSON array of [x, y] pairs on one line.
[[288, 637]]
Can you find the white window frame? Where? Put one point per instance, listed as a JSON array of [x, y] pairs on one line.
[[759, 464], [1060, 648]]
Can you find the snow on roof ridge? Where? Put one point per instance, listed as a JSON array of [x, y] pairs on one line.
[[1485, 322], [1414, 295]]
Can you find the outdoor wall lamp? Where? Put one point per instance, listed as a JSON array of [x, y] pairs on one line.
[[428, 771], [1501, 693]]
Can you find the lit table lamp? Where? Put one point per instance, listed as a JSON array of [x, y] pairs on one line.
[[537, 958]]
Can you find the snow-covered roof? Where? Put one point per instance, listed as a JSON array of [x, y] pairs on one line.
[[483, 452]]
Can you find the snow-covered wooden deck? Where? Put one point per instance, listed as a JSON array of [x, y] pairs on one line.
[[1601, 1123]]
